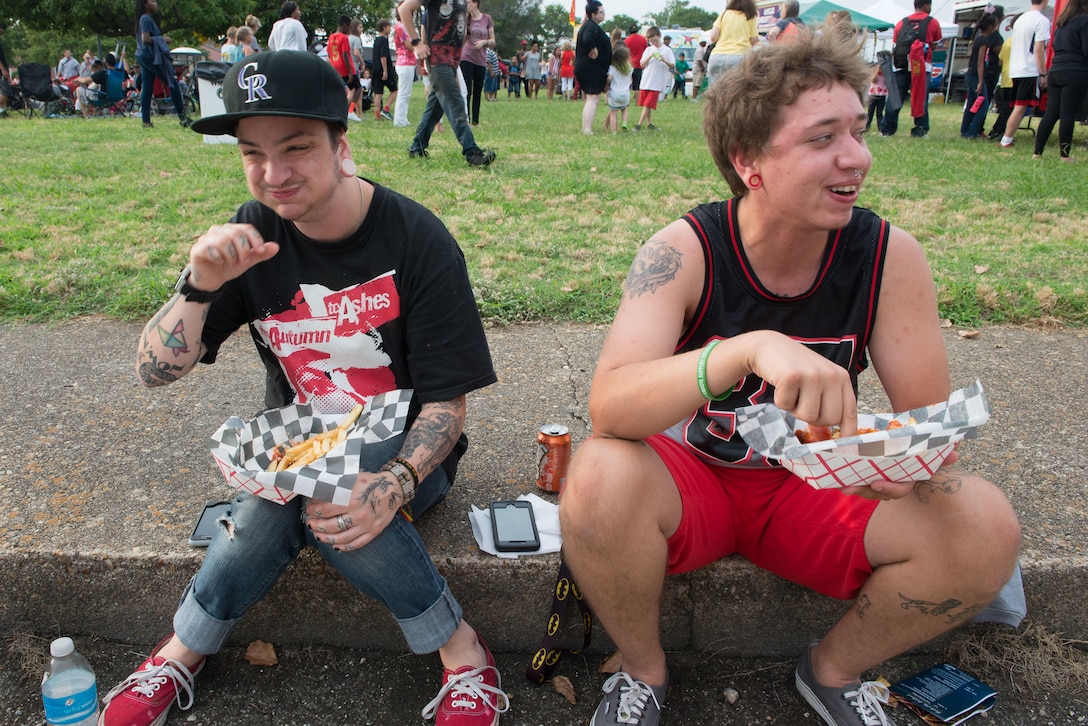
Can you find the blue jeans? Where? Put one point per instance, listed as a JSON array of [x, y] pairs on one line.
[[148, 74], [445, 98], [394, 568], [891, 118], [971, 125]]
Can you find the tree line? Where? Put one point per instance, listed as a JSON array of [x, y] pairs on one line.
[[38, 30]]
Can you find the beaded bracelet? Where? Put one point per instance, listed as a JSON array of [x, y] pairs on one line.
[[411, 470], [700, 374], [405, 476]]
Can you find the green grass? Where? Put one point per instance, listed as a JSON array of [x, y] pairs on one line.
[[97, 216]]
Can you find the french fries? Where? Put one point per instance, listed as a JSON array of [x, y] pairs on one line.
[[286, 456], [824, 433]]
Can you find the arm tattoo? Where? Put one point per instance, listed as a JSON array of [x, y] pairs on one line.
[[655, 265], [947, 482], [152, 370], [385, 488], [433, 434]]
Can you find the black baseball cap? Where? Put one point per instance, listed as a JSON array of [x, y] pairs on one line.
[[279, 83]]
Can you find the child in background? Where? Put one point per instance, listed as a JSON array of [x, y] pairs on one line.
[[491, 80], [617, 88], [513, 79], [878, 96], [658, 64], [680, 84], [230, 52]]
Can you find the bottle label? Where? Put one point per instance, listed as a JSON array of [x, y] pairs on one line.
[[71, 709]]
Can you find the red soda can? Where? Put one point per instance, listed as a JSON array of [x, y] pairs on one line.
[[553, 457]]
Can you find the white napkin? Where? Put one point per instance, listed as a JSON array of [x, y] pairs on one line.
[[547, 525]]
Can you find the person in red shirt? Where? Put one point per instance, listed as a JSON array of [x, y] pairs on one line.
[[903, 75], [566, 70], [339, 50], [636, 43]]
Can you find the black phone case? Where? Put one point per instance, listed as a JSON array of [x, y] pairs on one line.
[[212, 511], [518, 545]]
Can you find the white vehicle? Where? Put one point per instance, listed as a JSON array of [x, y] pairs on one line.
[[686, 41]]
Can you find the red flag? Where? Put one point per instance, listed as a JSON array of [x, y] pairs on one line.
[[919, 79], [573, 18]]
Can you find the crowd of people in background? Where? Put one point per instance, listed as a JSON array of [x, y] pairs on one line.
[[1040, 70]]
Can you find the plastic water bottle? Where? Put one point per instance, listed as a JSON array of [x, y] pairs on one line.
[[68, 690]]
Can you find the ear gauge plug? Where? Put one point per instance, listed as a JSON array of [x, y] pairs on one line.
[[347, 167]]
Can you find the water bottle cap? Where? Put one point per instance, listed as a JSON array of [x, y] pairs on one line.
[[61, 647]]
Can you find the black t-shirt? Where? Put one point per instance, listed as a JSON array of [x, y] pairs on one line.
[[447, 24], [994, 41], [1071, 46], [381, 50], [389, 308], [977, 46], [834, 318]]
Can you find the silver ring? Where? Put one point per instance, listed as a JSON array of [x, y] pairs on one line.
[[341, 523]]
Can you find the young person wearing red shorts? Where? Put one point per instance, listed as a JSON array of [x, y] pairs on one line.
[[657, 64], [784, 293]]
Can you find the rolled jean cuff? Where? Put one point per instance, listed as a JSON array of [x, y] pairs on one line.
[[433, 628], [198, 630]]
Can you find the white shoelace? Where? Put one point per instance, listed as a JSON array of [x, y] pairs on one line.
[[868, 700], [467, 689], [633, 697], [149, 680]]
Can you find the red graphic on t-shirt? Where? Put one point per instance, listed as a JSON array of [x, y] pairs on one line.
[[329, 345]]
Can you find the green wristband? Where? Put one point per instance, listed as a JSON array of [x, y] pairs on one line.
[[700, 374]]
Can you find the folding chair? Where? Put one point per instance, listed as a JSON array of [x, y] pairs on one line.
[[38, 93]]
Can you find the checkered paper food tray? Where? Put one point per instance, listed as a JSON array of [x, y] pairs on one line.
[[243, 449], [911, 453]]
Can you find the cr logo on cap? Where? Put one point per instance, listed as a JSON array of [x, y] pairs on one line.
[[253, 83]]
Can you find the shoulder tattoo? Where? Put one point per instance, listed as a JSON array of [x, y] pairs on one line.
[[656, 264]]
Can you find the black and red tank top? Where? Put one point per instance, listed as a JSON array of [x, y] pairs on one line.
[[834, 317]]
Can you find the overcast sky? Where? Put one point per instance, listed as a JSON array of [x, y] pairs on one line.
[[635, 8]]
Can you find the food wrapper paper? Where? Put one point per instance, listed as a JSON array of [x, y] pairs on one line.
[[911, 453], [243, 449]]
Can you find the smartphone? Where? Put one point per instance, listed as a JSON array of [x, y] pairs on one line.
[[206, 525], [514, 526]]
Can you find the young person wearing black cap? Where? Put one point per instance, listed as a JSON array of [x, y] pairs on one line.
[[323, 267], [441, 51]]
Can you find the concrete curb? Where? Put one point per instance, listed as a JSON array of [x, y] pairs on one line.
[[105, 479]]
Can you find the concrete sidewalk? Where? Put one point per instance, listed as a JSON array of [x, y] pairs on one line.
[[104, 480]]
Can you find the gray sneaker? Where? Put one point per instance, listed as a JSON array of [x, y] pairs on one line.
[[859, 704], [627, 701]]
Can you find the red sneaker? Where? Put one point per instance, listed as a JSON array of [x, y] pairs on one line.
[[469, 696], [145, 697]]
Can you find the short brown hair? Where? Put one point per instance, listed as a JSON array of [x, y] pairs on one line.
[[744, 107]]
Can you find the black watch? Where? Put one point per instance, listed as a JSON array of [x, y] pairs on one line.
[[190, 293], [415, 41]]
